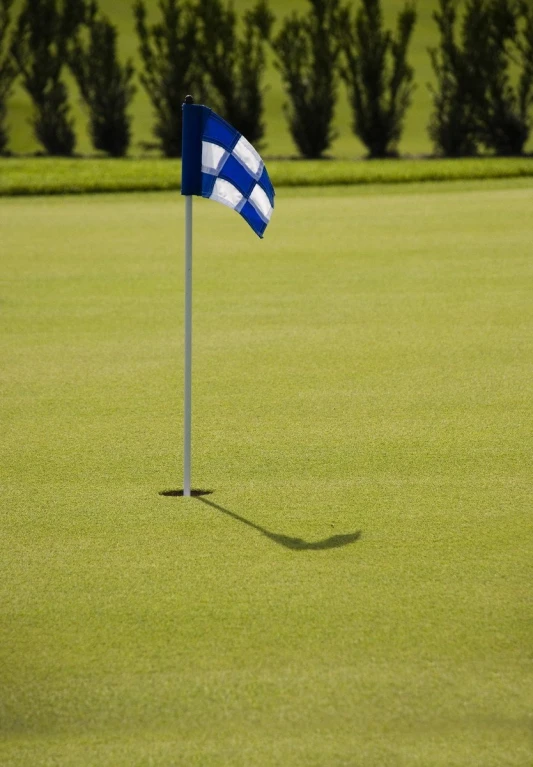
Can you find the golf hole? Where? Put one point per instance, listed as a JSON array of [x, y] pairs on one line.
[[179, 493]]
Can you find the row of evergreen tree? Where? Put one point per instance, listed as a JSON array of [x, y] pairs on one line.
[[483, 66]]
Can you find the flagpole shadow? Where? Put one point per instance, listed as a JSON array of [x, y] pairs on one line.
[[296, 544]]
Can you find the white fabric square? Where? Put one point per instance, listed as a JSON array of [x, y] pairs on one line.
[[248, 157], [226, 193], [261, 203], [213, 158]]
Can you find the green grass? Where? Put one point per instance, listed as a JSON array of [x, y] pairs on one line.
[[415, 139], [31, 176], [366, 368]]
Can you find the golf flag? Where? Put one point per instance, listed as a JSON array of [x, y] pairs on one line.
[[220, 164]]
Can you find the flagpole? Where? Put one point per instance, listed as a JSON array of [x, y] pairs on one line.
[[187, 405], [206, 133], [191, 181]]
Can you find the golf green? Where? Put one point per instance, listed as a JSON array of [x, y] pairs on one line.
[[356, 589]]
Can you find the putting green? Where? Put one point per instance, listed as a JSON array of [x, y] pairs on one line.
[[356, 590]]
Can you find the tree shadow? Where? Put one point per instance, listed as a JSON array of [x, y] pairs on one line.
[[296, 544]]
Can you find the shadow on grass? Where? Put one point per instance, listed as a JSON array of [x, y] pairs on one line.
[[296, 544]]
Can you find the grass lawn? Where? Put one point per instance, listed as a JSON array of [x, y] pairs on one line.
[[52, 175], [357, 588]]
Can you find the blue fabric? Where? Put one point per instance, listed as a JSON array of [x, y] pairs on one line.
[[220, 132], [237, 174], [208, 182], [235, 178], [251, 216], [265, 182], [194, 117]]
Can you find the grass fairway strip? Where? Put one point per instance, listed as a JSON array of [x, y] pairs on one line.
[[44, 175], [362, 375]]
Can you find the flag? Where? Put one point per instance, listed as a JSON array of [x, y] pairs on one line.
[[220, 164]]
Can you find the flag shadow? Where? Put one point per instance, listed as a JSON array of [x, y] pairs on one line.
[[296, 544]]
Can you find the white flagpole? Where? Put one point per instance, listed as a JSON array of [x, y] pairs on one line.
[[188, 349]]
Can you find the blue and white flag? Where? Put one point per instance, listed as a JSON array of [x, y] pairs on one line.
[[220, 164]]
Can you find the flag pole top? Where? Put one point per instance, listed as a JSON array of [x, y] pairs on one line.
[[189, 100]]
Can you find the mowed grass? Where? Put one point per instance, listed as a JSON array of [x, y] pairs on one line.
[[357, 591], [47, 175]]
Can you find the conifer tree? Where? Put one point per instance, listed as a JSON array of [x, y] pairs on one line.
[[377, 75], [7, 69], [477, 102], [453, 124], [307, 51], [235, 64], [104, 83], [503, 106], [39, 48], [525, 49], [168, 54]]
